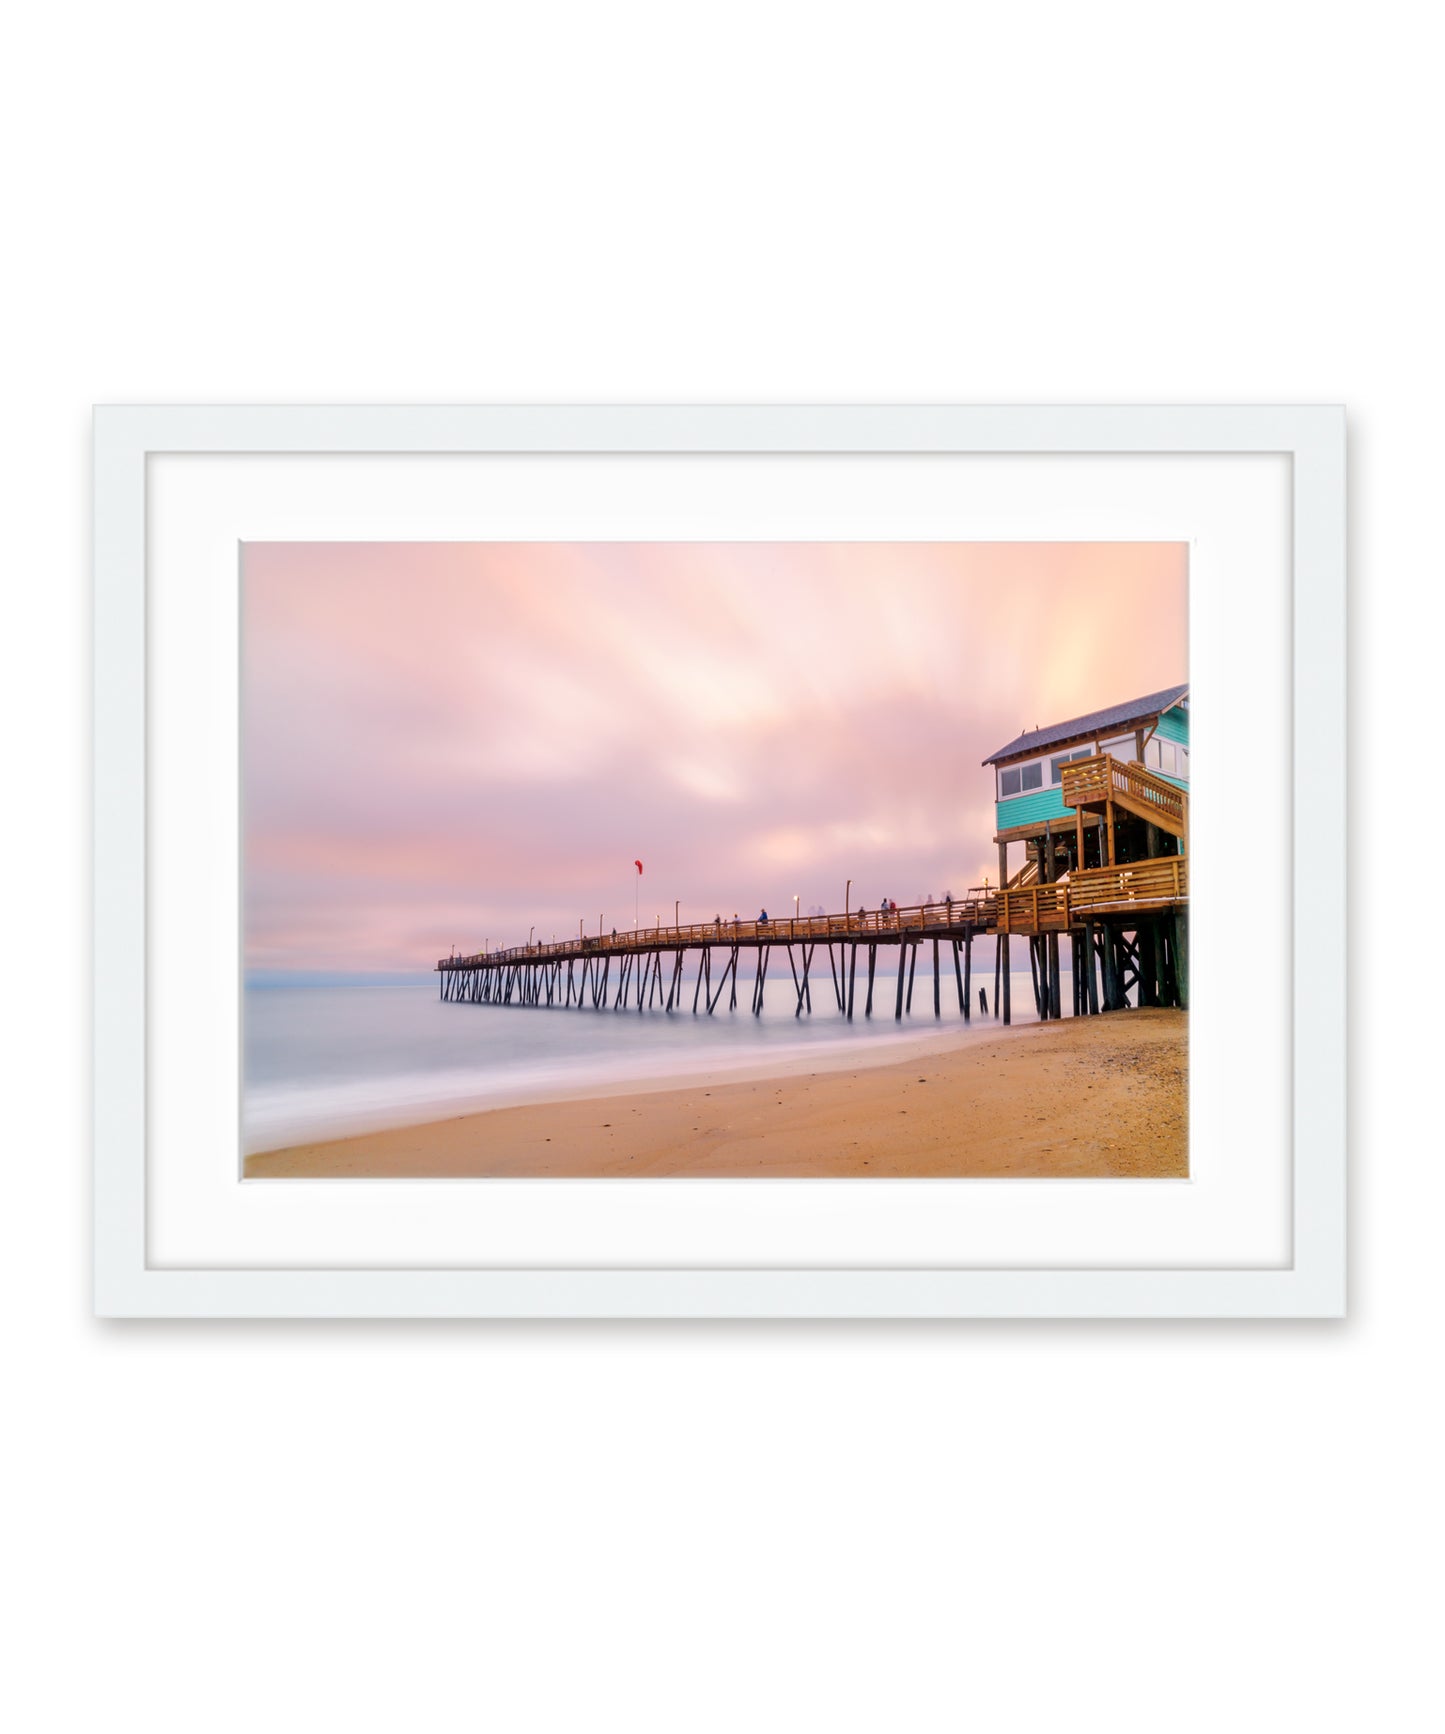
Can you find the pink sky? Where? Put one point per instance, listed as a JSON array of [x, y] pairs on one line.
[[445, 744]]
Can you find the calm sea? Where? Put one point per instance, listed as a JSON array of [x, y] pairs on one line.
[[348, 1056]]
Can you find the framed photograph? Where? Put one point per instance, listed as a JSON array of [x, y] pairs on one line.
[[719, 862]]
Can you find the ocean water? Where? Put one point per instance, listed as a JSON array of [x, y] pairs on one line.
[[322, 1061]]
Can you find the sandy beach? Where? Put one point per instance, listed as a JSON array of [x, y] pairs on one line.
[[1085, 1097]]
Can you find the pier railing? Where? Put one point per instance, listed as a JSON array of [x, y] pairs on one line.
[[1091, 782], [1019, 908], [1034, 909], [1104, 890], [961, 913]]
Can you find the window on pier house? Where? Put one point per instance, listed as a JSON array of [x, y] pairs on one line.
[[1019, 779], [1170, 757], [1056, 766]]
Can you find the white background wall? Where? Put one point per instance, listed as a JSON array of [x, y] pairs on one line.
[[378, 1526]]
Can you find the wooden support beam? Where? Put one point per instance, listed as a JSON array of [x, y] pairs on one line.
[[1180, 919], [936, 990], [967, 971], [1111, 973], [804, 996], [730, 970], [852, 977], [1007, 992], [872, 960], [1165, 926], [1148, 965], [1128, 964]]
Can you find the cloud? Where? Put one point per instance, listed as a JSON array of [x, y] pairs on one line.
[[441, 738]]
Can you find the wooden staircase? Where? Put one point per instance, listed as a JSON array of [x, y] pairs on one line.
[[1104, 781]]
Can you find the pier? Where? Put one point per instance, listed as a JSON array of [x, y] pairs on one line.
[[1125, 921]]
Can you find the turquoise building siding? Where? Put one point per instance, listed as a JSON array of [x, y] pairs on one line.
[[1034, 808], [1039, 807], [1174, 726]]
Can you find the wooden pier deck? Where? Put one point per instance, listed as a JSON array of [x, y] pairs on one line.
[[1100, 909]]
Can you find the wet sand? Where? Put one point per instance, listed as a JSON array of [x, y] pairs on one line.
[[1100, 1097]]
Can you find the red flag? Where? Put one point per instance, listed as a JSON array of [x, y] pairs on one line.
[[637, 865]]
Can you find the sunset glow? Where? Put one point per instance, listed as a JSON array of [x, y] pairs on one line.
[[450, 744]]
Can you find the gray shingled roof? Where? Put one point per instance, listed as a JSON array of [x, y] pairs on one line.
[[1097, 721]]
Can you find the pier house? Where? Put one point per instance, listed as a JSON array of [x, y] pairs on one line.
[[1100, 803], [1031, 774]]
